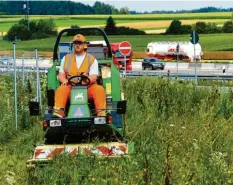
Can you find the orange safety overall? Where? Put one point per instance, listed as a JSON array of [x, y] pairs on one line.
[[95, 91]]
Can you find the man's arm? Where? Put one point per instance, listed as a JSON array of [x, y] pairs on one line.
[[62, 76], [94, 71]]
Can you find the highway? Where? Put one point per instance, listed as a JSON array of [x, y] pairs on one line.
[[188, 68]]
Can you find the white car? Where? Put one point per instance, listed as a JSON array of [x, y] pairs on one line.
[[5, 61]]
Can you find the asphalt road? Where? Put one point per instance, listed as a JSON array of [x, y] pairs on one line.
[[182, 67]]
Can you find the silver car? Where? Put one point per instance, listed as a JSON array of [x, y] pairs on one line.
[[152, 63]]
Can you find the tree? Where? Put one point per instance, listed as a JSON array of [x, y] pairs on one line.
[[174, 28], [200, 27], [124, 10], [102, 8], [110, 27], [228, 27]]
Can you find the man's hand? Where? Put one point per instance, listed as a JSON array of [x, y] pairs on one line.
[[62, 78], [84, 82], [65, 82], [84, 74]]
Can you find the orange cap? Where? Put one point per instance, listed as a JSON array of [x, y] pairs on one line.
[[79, 37]]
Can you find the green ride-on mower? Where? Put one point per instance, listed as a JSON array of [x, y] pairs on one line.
[[82, 132]]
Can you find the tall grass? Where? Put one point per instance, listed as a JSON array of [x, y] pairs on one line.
[[17, 145], [7, 114], [182, 135]]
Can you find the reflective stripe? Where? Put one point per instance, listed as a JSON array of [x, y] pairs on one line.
[[69, 63], [88, 67], [48, 152]]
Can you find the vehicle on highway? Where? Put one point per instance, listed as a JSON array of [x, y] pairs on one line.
[[5, 61], [152, 63], [170, 50]]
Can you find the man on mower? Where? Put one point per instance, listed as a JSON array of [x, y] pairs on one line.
[[79, 63]]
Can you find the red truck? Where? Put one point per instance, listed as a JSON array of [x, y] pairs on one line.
[[118, 58]]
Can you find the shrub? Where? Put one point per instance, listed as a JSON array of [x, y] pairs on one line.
[[228, 27], [19, 31], [72, 33], [203, 28], [38, 30], [186, 29], [122, 30], [200, 27], [212, 28], [47, 26]]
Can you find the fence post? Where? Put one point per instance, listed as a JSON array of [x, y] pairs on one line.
[[15, 88]]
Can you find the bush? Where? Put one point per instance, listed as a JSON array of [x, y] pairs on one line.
[[19, 31], [200, 27], [212, 28], [122, 30], [72, 33], [47, 26], [38, 30], [33, 26], [228, 27], [185, 29]]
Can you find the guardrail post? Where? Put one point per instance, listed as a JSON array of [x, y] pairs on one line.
[[15, 89], [23, 76], [38, 90]]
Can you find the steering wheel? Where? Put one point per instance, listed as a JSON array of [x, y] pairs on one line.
[[80, 79]]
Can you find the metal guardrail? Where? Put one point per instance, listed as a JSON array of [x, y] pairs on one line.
[[179, 75], [5, 68], [188, 76]]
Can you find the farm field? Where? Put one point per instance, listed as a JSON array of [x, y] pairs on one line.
[[212, 15], [181, 140], [209, 42], [142, 21]]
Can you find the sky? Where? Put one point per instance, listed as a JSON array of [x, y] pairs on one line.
[[150, 5]]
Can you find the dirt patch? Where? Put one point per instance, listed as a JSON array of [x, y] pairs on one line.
[[155, 31], [3, 33]]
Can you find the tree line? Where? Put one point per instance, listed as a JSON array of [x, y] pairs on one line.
[[46, 28], [199, 10], [76, 8], [58, 8], [176, 28]]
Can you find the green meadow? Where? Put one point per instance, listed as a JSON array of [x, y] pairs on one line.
[[209, 42]]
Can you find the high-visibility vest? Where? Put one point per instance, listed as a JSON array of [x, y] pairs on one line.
[[70, 66]]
